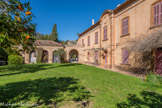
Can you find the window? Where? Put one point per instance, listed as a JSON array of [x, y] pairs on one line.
[[124, 56], [88, 40], [105, 33], [96, 38], [125, 26], [82, 42], [157, 13]]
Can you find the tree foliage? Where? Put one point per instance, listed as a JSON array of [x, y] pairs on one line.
[[52, 36], [54, 33], [142, 51], [16, 24], [40, 36], [61, 53], [39, 55], [15, 59]]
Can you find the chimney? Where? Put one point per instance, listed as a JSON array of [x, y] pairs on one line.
[[118, 5], [92, 21]]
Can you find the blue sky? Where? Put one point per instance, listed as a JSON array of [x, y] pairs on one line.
[[71, 16]]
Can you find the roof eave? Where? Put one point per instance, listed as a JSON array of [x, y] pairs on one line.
[[123, 5], [90, 28]]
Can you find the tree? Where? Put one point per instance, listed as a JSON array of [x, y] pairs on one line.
[[39, 36], [78, 34], [46, 37], [61, 54], [54, 33], [42, 37], [64, 42], [16, 25], [142, 50], [49, 37]]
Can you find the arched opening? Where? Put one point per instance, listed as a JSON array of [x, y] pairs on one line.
[[32, 57], [56, 57], [73, 56], [45, 56]]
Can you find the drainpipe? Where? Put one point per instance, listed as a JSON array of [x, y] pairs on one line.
[[112, 39], [100, 44]]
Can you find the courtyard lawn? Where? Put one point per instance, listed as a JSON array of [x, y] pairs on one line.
[[73, 85]]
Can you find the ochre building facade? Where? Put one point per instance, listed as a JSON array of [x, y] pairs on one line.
[[113, 41], [108, 42]]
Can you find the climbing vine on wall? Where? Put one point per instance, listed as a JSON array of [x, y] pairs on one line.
[[39, 55]]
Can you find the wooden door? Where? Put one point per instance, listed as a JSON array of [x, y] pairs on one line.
[[159, 62]]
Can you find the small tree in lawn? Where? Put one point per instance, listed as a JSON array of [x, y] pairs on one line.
[[62, 54], [16, 25]]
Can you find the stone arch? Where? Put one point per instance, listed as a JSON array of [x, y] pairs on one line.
[[45, 56], [32, 57], [56, 57], [73, 55]]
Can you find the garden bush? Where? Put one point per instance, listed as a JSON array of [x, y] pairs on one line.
[[155, 79], [15, 59]]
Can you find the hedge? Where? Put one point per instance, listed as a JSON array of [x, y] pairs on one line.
[[15, 59]]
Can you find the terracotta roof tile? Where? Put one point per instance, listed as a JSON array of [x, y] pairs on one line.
[[47, 43]]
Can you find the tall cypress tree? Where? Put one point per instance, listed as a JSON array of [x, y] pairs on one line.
[[54, 33]]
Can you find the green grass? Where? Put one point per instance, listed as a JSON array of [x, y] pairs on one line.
[[56, 85]]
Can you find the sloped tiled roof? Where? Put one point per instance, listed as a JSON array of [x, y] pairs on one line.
[[117, 9], [47, 43], [90, 28], [123, 5]]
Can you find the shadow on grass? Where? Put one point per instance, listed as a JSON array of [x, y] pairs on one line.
[[44, 92], [147, 99], [29, 68]]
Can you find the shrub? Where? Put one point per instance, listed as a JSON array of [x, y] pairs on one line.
[[155, 79], [15, 59]]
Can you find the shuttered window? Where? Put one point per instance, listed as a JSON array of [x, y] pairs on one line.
[[96, 38], [88, 40], [158, 13], [125, 26], [105, 33], [125, 56]]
